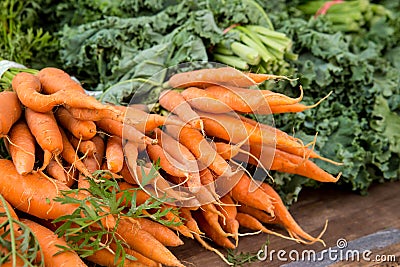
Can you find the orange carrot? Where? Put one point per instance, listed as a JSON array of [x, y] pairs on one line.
[[44, 128], [28, 88], [100, 149], [49, 243], [247, 191], [160, 232], [32, 193], [202, 100], [174, 102], [260, 215], [86, 147], [55, 170], [130, 164], [124, 131], [229, 211], [156, 152], [54, 80], [114, 154], [139, 257], [87, 114], [212, 219], [10, 111], [227, 75], [146, 244], [84, 130], [286, 219], [200, 148], [22, 147], [106, 258]]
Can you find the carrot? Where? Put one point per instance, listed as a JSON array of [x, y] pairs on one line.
[[201, 149], [146, 244], [289, 163], [212, 219], [286, 219], [124, 131], [100, 149], [174, 102], [44, 128], [160, 232], [130, 164], [126, 174], [86, 147], [219, 239], [54, 80], [156, 152], [84, 130], [86, 114], [22, 147], [49, 243], [105, 257], [202, 100], [229, 211], [57, 171], [28, 88], [260, 215], [139, 257], [181, 154], [226, 75], [10, 111], [69, 155], [32, 193], [246, 101], [247, 191], [114, 154]]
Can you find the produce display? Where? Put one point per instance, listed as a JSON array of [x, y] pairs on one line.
[[130, 127]]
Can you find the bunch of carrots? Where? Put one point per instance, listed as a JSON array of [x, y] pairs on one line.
[[59, 138]]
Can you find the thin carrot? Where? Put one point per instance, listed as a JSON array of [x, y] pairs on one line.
[[100, 149], [286, 219], [229, 211], [93, 162], [200, 148], [10, 111], [139, 257], [84, 130], [146, 244], [227, 75], [22, 147], [49, 243], [114, 154], [44, 128], [130, 164], [156, 152], [57, 171], [200, 99], [28, 88], [160, 232], [212, 219], [32, 193], [104, 257], [86, 147], [174, 102], [260, 215]]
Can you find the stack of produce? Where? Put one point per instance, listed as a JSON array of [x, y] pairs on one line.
[[80, 183]]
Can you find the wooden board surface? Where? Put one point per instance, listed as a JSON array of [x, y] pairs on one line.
[[350, 217]]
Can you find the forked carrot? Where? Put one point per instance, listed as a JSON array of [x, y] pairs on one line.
[[50, 246], [10, 111], [114, 154], [174, 102], [84, 130], [22, 147], [44, 128]]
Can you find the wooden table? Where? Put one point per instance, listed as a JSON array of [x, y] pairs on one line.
[[365, 222]]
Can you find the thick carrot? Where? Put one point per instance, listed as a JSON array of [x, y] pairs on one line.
[[124, 131], [202, 100], [156, 152], [247, 191], [87, 114], [114, 154], [174, 102], [204, 226], [54, 80], [286, 219], [28, 88], [32, 193], [200, 148], [106, 258], [205, 77], [86, 147], [10, 111], [44, 128], [22, 147], [69, 155], [160, 232], [57, 171], [146, 244], [49, 243], [84, 130]]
